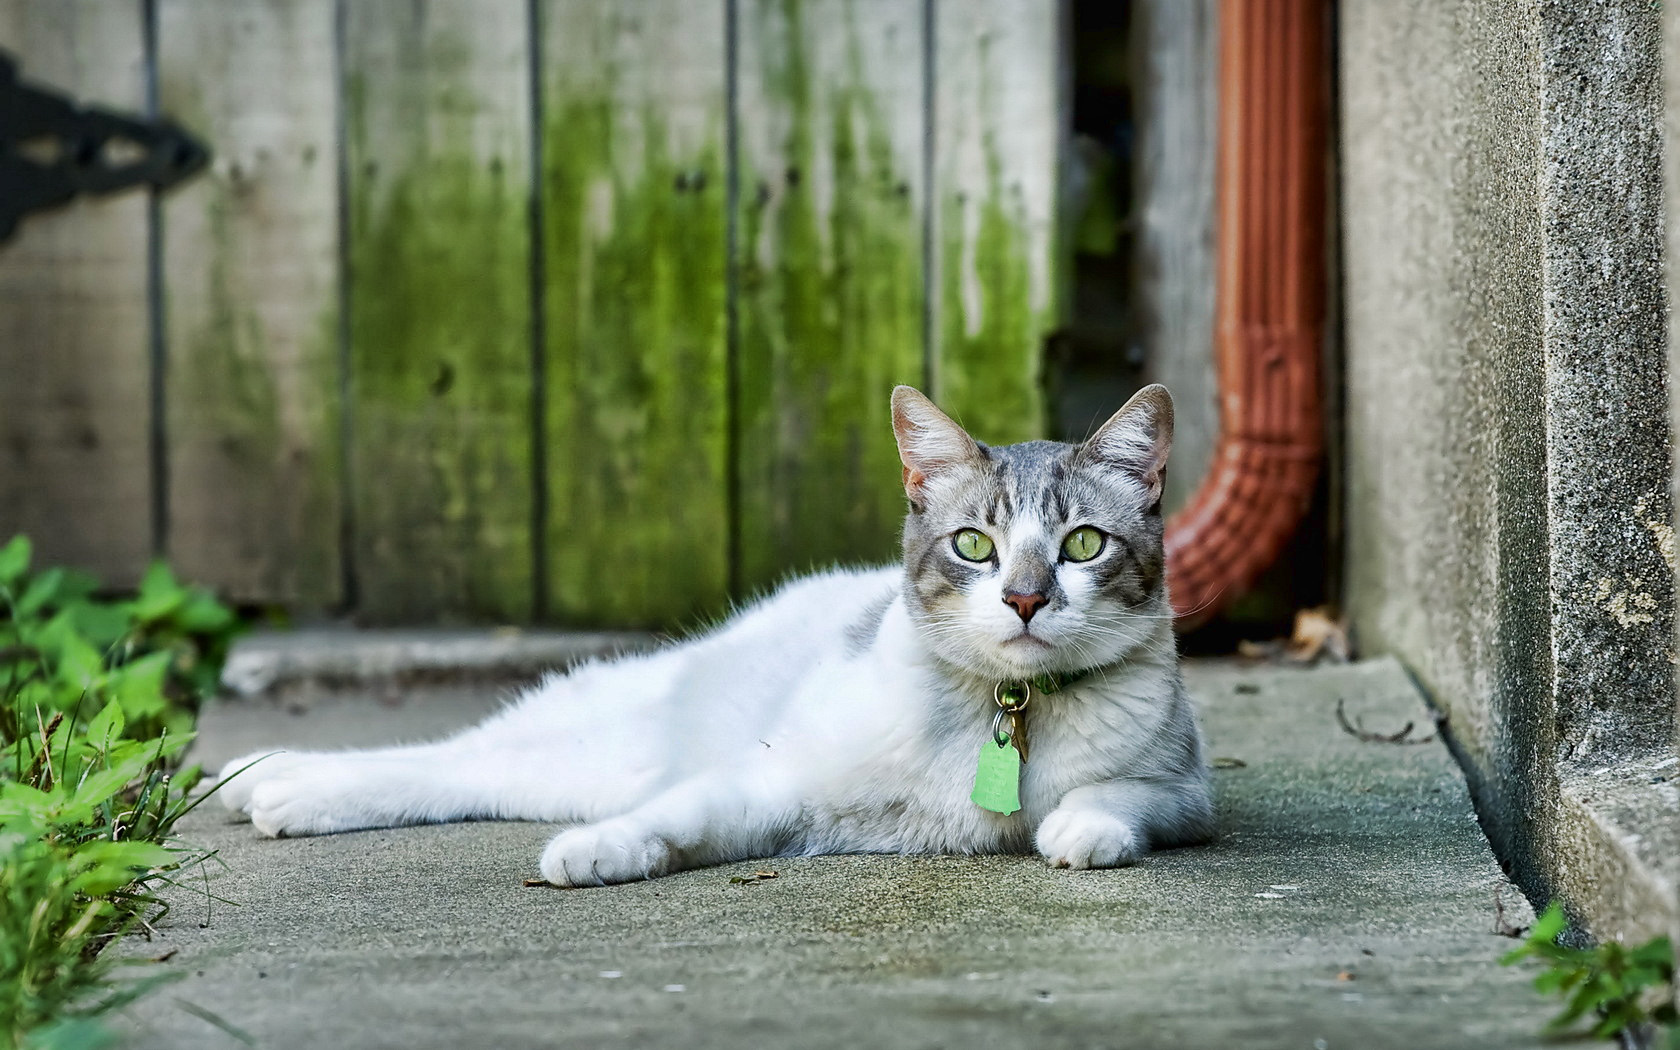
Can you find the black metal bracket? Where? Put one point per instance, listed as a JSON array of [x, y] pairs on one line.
[[51, 149]]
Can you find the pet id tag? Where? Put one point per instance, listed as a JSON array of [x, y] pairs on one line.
[[997, 778]]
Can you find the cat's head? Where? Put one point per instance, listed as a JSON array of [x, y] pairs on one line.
[[1038, 557]]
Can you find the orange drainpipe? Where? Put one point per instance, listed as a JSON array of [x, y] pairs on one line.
[[1269, 325]]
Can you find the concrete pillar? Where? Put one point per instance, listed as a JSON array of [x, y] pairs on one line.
[[1507, 420]]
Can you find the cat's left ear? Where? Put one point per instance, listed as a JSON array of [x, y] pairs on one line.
[[1137, 438]]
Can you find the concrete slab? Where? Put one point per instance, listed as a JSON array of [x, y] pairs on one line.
[[303, 663], [1349, 902]]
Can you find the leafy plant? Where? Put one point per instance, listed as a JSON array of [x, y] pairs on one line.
[[1627, 991], [158, 654], [98, 703]]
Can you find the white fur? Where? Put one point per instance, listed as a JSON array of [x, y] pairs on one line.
[[784, 733]]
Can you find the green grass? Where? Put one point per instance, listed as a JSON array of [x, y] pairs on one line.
[[98, 698], [1622, 991]]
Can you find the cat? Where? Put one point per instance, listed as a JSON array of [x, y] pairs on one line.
[[853, 711]]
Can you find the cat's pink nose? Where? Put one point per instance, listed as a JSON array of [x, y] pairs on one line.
[[1025, 604]]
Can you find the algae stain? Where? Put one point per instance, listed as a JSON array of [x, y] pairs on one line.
[[990, 355], [636, 294], [831, 314], [438, 261], [991, 335], [234, 427], [992, 326], [225, 376]]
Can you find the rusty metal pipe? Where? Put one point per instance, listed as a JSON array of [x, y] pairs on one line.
[[1269, 325]]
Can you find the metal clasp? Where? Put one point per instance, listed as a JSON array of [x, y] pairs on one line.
[[1013, 696]]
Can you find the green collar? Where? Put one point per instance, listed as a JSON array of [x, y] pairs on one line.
[[1056, 681], [1014, 695]]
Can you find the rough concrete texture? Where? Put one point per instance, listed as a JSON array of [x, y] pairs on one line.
[[1349, 902], [1618, 843], [1607, 469], [1507, 448], [1671, 190], [1445, 441]]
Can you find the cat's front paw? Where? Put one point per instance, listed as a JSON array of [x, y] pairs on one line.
[[314, 800], [296, 793], [238, 779], [1086, 838], [598, 854]]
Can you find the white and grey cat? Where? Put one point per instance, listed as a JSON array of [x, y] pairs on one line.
[[845, 712]]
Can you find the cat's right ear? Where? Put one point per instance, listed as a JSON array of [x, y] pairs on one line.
[[1137, 439], [929, 442]]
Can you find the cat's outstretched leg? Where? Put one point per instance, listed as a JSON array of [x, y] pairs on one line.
[[315, 793], [557, 754], [290, 793], [1114, 823], [707, 820]]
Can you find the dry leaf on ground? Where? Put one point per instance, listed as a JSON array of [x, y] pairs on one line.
[[1317, 634]]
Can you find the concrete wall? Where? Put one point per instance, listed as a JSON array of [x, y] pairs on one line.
[[1508, 445]]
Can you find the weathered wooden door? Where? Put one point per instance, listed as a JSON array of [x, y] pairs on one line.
[[526, 310]]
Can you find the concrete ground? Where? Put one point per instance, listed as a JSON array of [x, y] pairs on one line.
[[1349, 902]]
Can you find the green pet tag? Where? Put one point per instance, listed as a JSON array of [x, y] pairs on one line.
[[997, 779]]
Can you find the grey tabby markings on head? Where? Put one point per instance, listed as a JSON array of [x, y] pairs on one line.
[[1111, 481]]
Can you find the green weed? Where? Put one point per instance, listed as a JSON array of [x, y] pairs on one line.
[[1627, 992], [97, 700]]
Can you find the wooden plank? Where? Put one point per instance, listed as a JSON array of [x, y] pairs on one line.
[[999, 112], [252, 277], [75, 416], [635, 216], [832, 122], [1176, 72], [438, 112]]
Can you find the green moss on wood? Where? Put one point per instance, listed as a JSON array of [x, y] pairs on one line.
[[258, 471], [637, 371], [440, 370], [991, 347], [831, 319]]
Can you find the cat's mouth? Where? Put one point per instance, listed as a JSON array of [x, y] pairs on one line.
[[1028, 636]]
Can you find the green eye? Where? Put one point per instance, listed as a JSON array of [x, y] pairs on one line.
[[972, 545], [1083, 544]]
